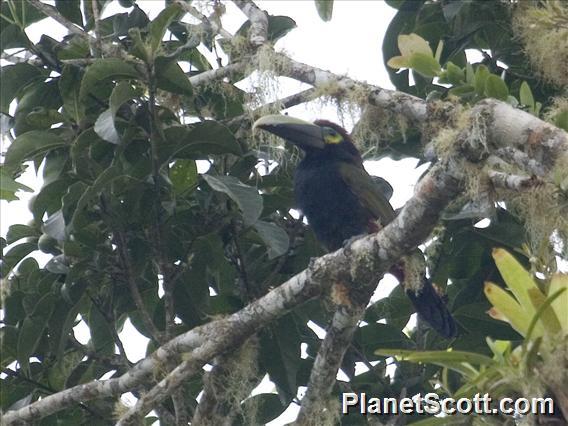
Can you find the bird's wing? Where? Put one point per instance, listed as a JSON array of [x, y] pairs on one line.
[[368, 192]]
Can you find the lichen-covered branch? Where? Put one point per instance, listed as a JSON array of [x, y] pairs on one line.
[[513, 182], [217, 74], [328, 360], [258, 32], [367, 258], [520, 159], [411, 107], [218, 29]]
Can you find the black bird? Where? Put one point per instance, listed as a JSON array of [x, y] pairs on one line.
[[341, 200]]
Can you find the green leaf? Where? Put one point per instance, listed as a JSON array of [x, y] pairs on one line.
[[41, 118], [17, 232], [506, 308], [280, 355], [198, 141], [105, 125], [275, 238], [517, 278], [32, 329], [101, 336], [9, 187], [170, 77], [545, 314], [138, 47], [100, 183], [279, 26], [54, 226], [558, 283], [159, 25], [425, 64], [560, 119], [106, 69], [325, 9], [442, 358], [377, 335], [247, 197], [15, 255], [12, 36], [267, 407], [183, 175], [398, 62], [410, 44], [454, 74], [396, 308], [14, 78], [474, 319], [481, 74], [496, 88], [525, 95], [70, 9]]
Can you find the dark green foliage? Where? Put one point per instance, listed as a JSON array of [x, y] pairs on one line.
[[123, 205]]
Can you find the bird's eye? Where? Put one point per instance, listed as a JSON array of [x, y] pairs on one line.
[[331, 136], [328, 131]]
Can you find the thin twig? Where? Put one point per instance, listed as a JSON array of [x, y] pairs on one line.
[[96, 44], [54, 14], [279, 104], [134, 291]]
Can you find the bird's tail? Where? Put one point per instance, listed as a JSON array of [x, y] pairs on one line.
[[431, 308], [429, 305]]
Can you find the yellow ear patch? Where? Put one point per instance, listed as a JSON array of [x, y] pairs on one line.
[[334, 138]]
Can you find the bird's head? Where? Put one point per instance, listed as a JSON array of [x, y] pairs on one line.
[[321, 138]]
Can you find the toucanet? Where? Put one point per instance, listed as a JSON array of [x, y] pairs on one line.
[[341, 200]]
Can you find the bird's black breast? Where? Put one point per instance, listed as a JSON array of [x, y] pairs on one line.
[[332, 209]]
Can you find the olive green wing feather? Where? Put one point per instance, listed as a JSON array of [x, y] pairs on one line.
[[368, 192]]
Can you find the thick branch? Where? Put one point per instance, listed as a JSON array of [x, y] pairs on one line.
[[322, 378], [520, 159], [411, 107], [367, 258], [258, 21]]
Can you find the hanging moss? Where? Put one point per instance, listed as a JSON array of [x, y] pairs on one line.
[[543, 30]]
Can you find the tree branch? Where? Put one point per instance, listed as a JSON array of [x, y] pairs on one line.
[[279, 104], [133, 287], [330, 355], [258, 18], [218, 73], [513, 182], [520, 159], [204, 19], [54, 14], [367, 258]]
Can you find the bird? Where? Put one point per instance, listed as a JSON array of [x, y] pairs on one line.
[[341, 201]]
